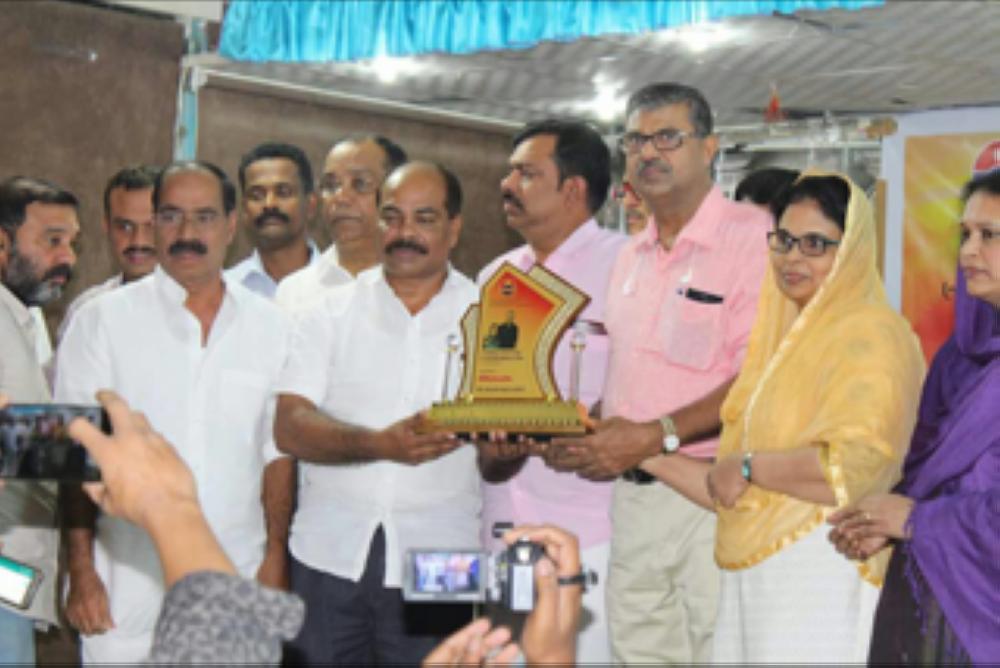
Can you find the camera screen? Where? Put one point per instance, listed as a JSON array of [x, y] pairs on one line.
[[34, 444], [447, 572]]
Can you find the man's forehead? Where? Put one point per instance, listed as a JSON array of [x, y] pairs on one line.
[[51, 216], [271, 170], [355, 156], [132, 199], [534, 150], [676, 115], [203, 187], [415, 190]]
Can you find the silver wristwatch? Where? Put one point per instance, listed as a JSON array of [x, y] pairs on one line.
[[671, 441]]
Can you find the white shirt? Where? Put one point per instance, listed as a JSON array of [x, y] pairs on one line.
[[311, 283], [361, 357], [212, 402], [251, 273], [84, 297]]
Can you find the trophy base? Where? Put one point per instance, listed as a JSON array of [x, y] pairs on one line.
[[538, 419]]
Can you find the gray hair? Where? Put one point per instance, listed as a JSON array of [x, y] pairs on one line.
[[657, 95]]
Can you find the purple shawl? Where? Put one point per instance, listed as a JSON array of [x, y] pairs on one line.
[[953, 474]]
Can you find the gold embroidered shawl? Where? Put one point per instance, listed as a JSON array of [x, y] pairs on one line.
[[844, 375]]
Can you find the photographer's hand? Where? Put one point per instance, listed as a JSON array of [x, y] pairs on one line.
[[551, 629], [476, 644]]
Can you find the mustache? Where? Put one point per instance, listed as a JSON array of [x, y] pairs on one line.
[[187, 246], [659, 164], [404, 244], [64, 271], [511, 198], [139, 249], [271, 213]]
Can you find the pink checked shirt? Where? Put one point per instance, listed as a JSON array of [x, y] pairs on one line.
[[537, 493], [679, 321]]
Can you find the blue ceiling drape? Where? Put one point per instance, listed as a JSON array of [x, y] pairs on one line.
[[344, 30]]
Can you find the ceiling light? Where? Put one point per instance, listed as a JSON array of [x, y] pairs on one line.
[[608, 102], [700, 37], [389, 69]]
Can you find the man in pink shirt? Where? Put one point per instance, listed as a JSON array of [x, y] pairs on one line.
[[681, 303], [559, 177]]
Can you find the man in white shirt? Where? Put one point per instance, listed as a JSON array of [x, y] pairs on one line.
[[128, 224], [348, 204], [278, 202], [198, 357], [38, 224], [365, 360]]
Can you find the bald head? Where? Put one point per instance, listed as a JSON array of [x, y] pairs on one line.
[[448, 183]]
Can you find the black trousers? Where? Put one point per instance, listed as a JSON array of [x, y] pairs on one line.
[[351, 623]]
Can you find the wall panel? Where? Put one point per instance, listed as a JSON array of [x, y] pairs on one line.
[[231, 121], [86, 90]]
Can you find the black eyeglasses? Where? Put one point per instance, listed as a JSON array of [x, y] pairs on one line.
[[811, 245], [667, 139]]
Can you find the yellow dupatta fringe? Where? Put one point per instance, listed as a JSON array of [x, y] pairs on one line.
[[844, 374]]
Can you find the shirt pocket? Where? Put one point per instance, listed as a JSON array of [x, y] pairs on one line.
[[691, 333], [243, 401]]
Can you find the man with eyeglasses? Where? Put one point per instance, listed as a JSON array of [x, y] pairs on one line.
[[128, 224], [681, 302], [353, 172], [277, 203], [198, 356]]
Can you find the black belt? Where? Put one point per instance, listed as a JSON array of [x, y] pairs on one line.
[[638, 476]]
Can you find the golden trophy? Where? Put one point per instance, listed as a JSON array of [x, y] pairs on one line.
[[510, 338]]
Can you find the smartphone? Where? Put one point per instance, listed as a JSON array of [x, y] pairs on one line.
[[18, 582], [445, 576], [34, 444]]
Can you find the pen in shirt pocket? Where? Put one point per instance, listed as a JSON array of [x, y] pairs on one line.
[[700, 296]]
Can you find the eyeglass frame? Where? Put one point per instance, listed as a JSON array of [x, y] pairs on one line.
[[327, 189], [185, 216], [669, 135], [794, 241]]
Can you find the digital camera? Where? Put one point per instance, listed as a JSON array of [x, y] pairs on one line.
[[450, 576]]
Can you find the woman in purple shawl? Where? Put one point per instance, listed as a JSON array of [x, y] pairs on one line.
[[941, 599]]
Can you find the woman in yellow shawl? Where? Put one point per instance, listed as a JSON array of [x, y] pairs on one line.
[[819, 416]]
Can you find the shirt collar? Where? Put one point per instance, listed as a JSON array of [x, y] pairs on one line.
[[256, 265], [578, 241], [175, 294], [20, 311], [701, 230], [703, 227], [375, 276], [649, 236]]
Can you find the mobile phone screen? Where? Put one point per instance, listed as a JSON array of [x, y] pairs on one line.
[[16, 580], [34, 444]]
